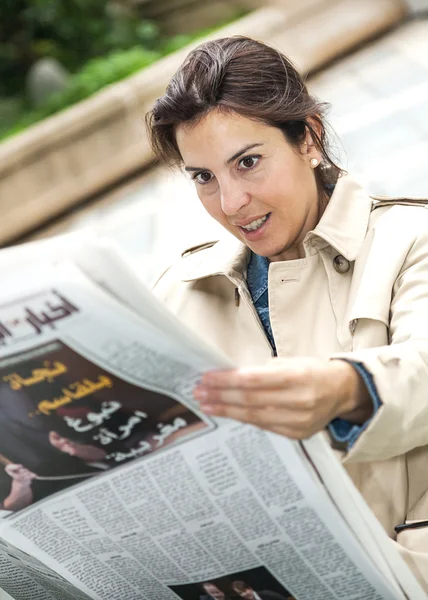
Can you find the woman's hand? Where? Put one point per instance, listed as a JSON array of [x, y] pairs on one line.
[[295, 397]]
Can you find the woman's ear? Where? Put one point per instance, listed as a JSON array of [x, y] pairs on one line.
[[310, 146]]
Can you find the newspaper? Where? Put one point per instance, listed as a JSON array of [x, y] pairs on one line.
[[114, 485]]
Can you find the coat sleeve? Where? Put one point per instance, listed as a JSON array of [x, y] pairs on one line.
[[344, 431], [399, 370]]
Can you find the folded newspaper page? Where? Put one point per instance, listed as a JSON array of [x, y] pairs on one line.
[[113, 484]]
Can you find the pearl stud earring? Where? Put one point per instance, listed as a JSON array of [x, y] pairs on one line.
[[314, 162]]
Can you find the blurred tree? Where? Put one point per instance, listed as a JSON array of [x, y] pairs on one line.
[[72, 31]]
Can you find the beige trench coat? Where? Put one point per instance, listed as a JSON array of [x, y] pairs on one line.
[[379, 295]]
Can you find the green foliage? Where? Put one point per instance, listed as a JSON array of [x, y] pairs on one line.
[[73, 31], [96, 73], [177, 42], [11, 110]]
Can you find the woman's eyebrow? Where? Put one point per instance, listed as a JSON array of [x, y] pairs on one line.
[[231, 159], [243, 151]]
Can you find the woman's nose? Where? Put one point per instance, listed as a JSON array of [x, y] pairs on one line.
[[233, 198]]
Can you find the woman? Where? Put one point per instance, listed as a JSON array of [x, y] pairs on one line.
[[327, 280]]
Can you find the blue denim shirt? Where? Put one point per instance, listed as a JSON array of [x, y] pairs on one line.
[[257, 281]]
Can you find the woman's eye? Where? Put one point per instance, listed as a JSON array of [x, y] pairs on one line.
[[248, 162], [202, 177]]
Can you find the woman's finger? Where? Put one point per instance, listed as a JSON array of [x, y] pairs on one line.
[[277, 374], [297, 399], [298, 421]]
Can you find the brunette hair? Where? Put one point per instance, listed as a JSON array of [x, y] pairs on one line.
[[248, 77]]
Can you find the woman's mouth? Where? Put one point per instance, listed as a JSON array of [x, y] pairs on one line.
[[256, 228]]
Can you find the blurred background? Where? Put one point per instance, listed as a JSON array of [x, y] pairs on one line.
[[78, 76]]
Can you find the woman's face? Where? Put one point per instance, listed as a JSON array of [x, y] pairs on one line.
[[252, 181]]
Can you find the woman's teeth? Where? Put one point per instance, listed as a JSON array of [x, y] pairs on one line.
[[254, 224]]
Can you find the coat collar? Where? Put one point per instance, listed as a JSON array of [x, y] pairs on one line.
[[343, 226], [345, 220], [227, 257]]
